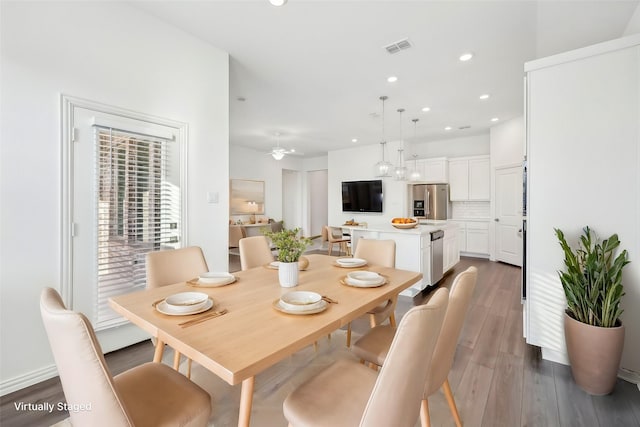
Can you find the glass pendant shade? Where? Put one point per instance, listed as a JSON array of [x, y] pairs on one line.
[[383, 168]]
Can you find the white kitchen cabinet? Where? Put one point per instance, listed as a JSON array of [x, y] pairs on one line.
[[477, 237], [435, 171], [473, 237], [469, 178], [451, 253]]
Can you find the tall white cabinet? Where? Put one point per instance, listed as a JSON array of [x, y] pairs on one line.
[[583, 148]]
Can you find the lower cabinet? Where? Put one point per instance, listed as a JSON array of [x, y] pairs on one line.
[[450, 247], [473, 237]]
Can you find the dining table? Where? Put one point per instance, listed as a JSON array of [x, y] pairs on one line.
[[253, 334]]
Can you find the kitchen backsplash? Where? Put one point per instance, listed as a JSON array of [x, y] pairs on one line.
[[464, 210]]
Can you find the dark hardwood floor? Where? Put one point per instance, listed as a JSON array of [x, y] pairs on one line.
[[497, 379]]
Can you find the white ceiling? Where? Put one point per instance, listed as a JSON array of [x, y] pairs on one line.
[[313, 70]]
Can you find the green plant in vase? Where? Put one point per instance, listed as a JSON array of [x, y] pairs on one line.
[[594, 334]]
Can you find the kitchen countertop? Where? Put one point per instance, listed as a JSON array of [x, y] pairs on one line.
[[420, 229]]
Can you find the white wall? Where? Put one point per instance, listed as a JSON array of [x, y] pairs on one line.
[[475, 145], [116, 55], [633, 26], [357, 163], [507, 141]]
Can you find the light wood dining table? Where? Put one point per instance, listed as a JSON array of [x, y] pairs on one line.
[[252, 335]]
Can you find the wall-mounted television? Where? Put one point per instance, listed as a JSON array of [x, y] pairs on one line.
[[362, 196]]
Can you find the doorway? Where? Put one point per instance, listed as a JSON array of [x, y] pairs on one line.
[[291, 198], [508, 215]]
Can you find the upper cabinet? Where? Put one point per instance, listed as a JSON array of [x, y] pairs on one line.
[[432, 171], [469, 178]]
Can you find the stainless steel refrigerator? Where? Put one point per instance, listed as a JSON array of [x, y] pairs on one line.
[[429, 201]]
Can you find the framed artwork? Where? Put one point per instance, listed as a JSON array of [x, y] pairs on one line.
[[247, 197]]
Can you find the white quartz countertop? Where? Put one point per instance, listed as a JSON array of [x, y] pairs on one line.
[[420, 229]]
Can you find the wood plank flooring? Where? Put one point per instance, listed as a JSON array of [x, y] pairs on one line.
[[497, 379]]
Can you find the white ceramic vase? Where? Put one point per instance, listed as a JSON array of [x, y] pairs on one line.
[[288, 274]]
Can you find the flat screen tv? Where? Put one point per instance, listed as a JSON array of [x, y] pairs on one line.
[[362, 196]]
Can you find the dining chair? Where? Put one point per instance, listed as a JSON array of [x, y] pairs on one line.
[[333, 235], [350, 394], [374, 345], [151, 394], [377, 252], [174, 266], [254, 252]]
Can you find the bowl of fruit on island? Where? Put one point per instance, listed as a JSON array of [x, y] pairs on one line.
[[404, 222]]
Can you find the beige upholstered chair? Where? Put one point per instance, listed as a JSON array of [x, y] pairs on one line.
[[377, 252], [174, 266], [374, 345], [334, 236], [349, 394], [148, 395], [254, 252]]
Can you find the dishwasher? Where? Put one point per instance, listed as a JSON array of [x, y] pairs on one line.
[[436, 256]]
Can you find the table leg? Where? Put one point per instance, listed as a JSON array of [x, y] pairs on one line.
[[157, 356], [246, 399]]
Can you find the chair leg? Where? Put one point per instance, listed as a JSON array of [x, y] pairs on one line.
[[452, 403], [315, 346], [424, 414], [189, 368], [176, 360], [392, 319], [330, 248], [349, 335], [372, 321]]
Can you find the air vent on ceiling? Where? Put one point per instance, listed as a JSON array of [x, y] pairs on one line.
[[398, 46], [464, 127]]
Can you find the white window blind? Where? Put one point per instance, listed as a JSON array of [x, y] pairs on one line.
[[139, 211]]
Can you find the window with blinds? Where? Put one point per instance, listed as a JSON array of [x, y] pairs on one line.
[[138, 211]]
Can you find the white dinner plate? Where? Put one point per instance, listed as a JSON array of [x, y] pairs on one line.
[[322, 306], [186, 302], [350, 262], [364, 278], [199, 283], [163, 308], [346, 281]]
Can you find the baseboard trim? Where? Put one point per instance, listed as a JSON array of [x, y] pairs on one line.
[[28, 379], [630, 376]]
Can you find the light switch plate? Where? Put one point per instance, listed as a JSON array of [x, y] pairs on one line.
[[213, 197]]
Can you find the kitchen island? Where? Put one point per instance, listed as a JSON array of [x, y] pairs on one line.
[[413, 247]]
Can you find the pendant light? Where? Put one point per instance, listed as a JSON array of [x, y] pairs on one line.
[[382, 168], [400, 171], [415, 174]]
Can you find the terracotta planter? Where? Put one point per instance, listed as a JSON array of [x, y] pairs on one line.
[[594, 354]]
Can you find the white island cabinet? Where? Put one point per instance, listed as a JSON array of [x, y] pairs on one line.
[[413, 248]]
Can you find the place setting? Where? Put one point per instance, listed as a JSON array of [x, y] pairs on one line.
[[302, 303], [350, 262], [213, 279], [364, 279], [303, 264], [188, 304]]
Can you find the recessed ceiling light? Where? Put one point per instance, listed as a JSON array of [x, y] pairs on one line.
[[293, 150], [354, 140], [484, 96], [425, 109], [466, 56], [447, 128], [495, 119], [392, 79], [278, 2]]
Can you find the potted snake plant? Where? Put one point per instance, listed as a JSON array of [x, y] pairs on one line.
[[594, 334]]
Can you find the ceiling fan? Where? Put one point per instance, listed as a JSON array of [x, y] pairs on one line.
[[278, 152]]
